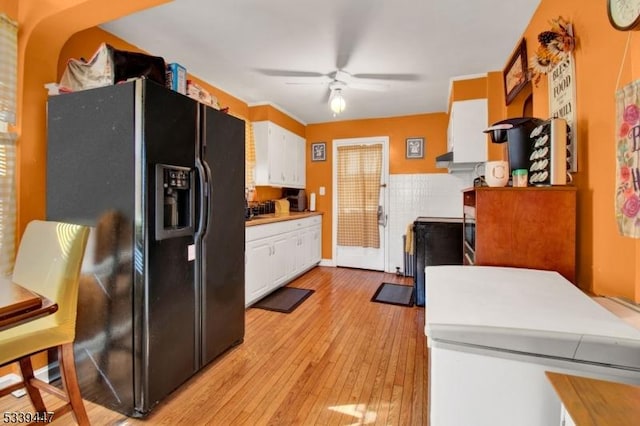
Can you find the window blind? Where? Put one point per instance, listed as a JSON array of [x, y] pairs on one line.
[[8, 93], [8, 69]]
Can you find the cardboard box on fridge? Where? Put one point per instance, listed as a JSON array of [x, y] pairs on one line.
[[177, 78], [201, 95]]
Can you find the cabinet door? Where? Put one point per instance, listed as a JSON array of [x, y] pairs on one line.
[[289, 159], [298, 161], [297, 253], [308, 250], [316, 244], [468, 119], [261, 139], [276, 155], [293, 164], [527, 228], [281, 259], [258, 276]]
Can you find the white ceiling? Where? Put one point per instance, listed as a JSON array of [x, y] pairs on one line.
[[261, 50]]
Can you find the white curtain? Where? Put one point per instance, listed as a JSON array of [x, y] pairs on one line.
[[8, 92]]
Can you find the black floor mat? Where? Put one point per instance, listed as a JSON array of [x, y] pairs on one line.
[[284, 299], [394, 294]]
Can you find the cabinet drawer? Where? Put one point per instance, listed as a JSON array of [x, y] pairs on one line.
[[269, 229], [308, 221]]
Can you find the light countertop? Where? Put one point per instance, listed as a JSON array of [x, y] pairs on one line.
[[264, 219], [597, 402]]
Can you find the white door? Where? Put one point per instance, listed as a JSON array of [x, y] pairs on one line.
[[363, 257]]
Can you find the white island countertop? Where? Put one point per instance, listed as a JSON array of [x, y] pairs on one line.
[[524, 310]]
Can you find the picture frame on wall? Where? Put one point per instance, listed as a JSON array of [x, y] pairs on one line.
[[415, 148], [515, 75], [319, 151]]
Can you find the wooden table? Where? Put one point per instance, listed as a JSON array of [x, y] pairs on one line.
[[19, 305], [592, 402]]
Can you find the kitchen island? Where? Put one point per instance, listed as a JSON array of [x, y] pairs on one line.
[[492, 333]]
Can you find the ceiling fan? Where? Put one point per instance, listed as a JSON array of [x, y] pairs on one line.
[[339, 80], [352, 20]]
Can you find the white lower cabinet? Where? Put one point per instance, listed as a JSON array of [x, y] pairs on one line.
[[257, 269], [277, 253]]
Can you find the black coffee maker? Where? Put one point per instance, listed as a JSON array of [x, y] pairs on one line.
[[297, 199], [516, 132]]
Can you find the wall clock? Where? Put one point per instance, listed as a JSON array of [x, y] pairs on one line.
[[624, 15]]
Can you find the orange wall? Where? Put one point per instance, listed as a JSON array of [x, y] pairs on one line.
[[495, 101], [10, 7], [433, 127], [271, 113], [608, 263], [471, 88]]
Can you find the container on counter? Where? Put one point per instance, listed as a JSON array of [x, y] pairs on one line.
[[519, 177]]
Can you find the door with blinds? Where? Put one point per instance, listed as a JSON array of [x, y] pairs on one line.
[[360, 198]]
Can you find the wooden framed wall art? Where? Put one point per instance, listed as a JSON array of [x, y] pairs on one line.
[[415, 148], [319, 151], [515, 75]]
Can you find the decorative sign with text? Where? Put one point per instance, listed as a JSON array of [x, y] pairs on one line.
[[562, 103], [628, 159]]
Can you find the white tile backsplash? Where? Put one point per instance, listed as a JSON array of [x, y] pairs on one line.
[[413, 195]]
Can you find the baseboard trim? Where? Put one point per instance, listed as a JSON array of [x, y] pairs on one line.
[[327, 262], [626, 303], [41, 374]]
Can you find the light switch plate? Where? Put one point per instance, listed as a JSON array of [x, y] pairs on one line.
[[322, 190]]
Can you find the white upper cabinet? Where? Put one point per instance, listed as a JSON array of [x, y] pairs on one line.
[[280, 156], [465, 136]]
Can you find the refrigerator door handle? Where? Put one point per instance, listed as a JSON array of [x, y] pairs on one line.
[[209, 192], [204, 199]]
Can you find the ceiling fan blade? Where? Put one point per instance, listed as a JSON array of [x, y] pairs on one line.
[[287, 73], [305, 83], [396, 77], [374, 87], [351, 23]]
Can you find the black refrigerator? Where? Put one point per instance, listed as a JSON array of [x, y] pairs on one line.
[[159, 178]]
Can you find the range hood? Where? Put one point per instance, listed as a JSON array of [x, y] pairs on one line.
[[446, 160]]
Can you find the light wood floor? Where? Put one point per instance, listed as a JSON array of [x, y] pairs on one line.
[[338, 359]]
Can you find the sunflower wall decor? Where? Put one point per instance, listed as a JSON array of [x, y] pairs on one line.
[[555, 45]]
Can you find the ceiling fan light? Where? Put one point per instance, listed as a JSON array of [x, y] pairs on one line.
[[337, 102]]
